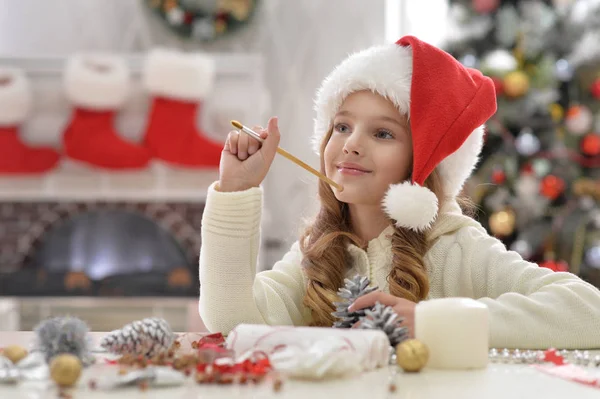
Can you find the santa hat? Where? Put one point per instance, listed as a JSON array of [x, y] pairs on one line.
[[447, 104]]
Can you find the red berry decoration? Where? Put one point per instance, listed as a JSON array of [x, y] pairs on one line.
[[552, 187], [552, 356]]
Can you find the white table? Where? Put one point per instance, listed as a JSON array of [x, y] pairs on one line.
[[500, 381]]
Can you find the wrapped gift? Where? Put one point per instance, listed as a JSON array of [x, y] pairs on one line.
[[313, 352]]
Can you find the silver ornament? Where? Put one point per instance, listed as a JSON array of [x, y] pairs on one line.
[[523, 248], [175, 16], [592, 256], [470, 61], [563, 70], [527, 143], [499, 62], [587, 203]]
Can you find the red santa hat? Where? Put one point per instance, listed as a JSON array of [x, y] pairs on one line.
[[447, 105]]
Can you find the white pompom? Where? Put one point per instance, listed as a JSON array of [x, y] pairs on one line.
[[411, 206]]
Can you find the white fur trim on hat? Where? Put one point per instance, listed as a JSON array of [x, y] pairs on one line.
[[456, 168], [178, 75], [385, 70], [411, 206], [97, 81], [15, 96]]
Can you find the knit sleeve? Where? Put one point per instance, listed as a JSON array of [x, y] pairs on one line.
[[530, 306], [230, 290]]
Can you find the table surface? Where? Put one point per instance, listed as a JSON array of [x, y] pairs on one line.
[[496, 381]]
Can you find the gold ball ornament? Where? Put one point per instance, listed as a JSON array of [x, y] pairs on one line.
[[502, 223], [412, 355], [516, 84], [65, 369], [14, 353], [557, 112]]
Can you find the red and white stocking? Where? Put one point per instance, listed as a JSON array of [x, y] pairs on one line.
[[16, 157], [178, 82], [98, 85]]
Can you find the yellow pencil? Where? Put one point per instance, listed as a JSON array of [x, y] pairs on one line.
[[289, 156]]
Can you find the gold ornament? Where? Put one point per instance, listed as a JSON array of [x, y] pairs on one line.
[[502, 223], [556, 112], [516, 84], [586, 186], [14, 353], [65, 369], [169, 5], [412, 355], [240, 9]]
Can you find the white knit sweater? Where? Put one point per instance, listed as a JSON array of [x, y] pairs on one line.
[[530, 307]]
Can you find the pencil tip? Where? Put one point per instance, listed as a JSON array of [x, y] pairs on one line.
[[237, 124]]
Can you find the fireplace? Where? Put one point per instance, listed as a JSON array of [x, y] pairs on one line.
[[99, 248]]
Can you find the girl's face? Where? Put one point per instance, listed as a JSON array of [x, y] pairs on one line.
[[369, 149]]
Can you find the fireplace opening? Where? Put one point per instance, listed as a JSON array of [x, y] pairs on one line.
[[107, 252]]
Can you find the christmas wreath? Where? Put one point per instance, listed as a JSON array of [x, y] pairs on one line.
[[203, 20]]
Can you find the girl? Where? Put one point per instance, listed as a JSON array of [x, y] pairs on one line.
[[399, 126]]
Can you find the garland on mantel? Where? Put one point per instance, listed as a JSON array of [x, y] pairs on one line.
[[203, 20]]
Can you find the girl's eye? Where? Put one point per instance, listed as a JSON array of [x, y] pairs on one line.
[[342, 128], [384, 134]]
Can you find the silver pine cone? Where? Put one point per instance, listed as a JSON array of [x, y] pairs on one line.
[[147, 337], [353, 289], [382, 317], [64, 334]]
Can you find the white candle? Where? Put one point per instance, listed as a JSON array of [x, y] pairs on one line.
[[456, 331]]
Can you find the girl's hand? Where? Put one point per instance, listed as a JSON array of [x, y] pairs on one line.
[[244, 161], [403, 307]]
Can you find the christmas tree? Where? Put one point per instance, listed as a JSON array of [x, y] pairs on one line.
[[537, 185]]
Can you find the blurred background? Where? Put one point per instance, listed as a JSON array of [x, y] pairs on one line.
[[83, 234]]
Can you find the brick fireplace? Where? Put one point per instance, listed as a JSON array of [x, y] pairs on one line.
[[51, 248]]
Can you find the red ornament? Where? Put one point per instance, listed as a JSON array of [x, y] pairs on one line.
[[557, 266], [485, 6], [595, 89], [552, 187], [498, 176], [498, 85], [590, 145], [188, 18]]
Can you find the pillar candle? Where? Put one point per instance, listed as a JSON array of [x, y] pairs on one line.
[[456, 331]]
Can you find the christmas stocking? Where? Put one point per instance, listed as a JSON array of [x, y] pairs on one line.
[[98, 85], [178, 82], [15, 101]]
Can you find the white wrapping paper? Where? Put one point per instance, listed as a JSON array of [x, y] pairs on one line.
[[156, 376], [313, 352]]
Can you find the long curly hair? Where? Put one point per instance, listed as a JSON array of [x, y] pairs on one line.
[[325, 257]]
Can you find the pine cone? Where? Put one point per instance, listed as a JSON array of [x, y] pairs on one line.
[[147, 337], [64, 335], [352, 290], [382, 317]]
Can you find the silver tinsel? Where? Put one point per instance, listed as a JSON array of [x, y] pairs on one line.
[[147, 337], [384, 318], [353, 289], [517, 356], [64, 335]]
